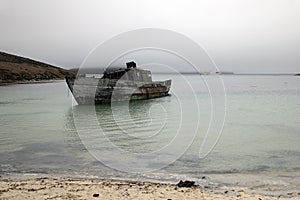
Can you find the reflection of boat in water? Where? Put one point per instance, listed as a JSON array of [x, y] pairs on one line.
[[116, 85]]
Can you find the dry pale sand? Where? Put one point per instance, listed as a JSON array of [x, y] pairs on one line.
[[51, 188]]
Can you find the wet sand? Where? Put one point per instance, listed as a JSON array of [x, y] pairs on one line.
[[88, 188]]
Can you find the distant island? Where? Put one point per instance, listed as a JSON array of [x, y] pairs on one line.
[[100, 70], [297, 74], [17, 69]]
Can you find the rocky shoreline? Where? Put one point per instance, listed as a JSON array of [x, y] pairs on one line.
[[45, 188], [31, 82], [23, 187]]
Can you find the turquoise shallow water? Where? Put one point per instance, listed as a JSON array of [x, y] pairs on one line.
[[260, 137]]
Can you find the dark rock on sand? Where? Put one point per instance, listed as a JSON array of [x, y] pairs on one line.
[[95, 195], [185, 183]]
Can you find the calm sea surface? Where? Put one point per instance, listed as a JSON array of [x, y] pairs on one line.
[[261, 135]]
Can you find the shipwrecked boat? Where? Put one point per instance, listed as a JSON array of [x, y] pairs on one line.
[[120, 84]]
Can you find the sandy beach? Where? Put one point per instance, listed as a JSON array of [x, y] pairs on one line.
[[67, 188]]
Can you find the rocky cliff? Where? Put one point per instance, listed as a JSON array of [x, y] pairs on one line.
[[19, 69]]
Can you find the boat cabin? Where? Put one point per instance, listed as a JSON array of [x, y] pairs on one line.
[[131, 73]]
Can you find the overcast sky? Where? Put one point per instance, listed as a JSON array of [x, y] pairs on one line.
[[240, 35]]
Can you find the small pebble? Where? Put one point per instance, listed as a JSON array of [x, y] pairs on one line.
[[95, 195]]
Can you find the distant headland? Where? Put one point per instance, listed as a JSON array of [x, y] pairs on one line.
[[17, 69]]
